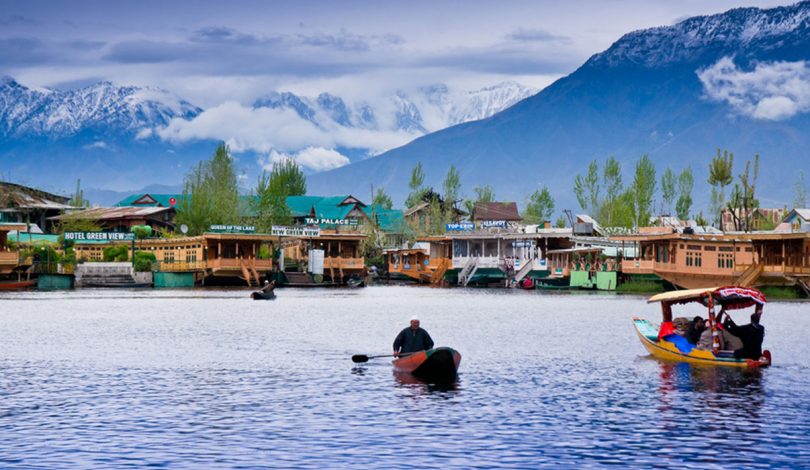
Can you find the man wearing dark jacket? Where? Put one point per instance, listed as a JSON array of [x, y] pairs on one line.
[[696, 327], [751, 335], [412, 339]]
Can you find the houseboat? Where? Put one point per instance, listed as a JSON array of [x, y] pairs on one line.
[[426, 262], [331, 258], [481, 258], [692, 261]]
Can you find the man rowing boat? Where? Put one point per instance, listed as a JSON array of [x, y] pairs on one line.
[[412, 339]]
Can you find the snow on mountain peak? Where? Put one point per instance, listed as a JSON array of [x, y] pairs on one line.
[[103, 106], [695, 37]]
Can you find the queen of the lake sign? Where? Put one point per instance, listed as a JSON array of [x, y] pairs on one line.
[[234, 228], [328, 221], [99, 236]]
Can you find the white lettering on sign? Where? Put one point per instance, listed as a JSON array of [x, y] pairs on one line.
[[285, 231]]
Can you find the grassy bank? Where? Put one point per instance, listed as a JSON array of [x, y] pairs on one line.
[[640, 287], [782, 293]]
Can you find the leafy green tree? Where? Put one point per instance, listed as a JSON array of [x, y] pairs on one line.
[[195, 209], [222, 181], [272, 189], [416, 185], [210, 194], [685, 183], [539, 207], [720, 176], [560, 223], [800, 191], [586, 189], [382, 199], [642, 191], [77, 198], [743, 199], [451, 186], [612, 211], [668, 189]]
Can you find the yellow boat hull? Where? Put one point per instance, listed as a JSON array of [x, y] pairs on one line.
[[669, 351]]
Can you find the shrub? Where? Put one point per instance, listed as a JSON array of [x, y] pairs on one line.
[[116, 253], [144, 261]]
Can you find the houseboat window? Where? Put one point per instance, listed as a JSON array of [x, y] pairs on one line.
[[693, 247], [491, 248], [725, 248], [459, 248], [725, 261], [749, 249], [694, 259], [710, 248], [476, 248]]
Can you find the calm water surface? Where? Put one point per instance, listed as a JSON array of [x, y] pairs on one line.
[[204, 378]]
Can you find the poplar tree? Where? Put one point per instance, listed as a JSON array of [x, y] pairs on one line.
[[685, 183], [668, 190], [539, 207], [642, 191]]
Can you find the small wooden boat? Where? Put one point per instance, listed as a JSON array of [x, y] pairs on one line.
[[17, 285], [259, 295], [664, 343], [355, 282], [437, 365]]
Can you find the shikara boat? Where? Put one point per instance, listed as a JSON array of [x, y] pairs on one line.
[[259, 295], [438, 365], [664, 343], [17, 285]]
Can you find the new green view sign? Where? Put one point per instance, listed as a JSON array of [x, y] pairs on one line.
[[233, 228], [328, 221], [99, 236]]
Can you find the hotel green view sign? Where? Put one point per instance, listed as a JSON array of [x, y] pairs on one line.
[[99, 236], [286, 231], [233, 228]]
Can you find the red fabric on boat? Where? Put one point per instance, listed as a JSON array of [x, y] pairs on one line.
[[666, 329]]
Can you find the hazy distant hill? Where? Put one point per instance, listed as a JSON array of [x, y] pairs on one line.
[[736, 80]]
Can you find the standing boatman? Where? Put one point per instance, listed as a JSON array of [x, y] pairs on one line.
[[412, 339]]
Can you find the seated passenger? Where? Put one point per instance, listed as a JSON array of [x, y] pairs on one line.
[[696, 327], [751, 335], [705, 341]]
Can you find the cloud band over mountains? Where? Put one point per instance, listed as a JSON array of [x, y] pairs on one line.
[[771, 91]]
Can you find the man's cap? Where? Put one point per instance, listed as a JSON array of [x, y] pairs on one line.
[[414, 318]]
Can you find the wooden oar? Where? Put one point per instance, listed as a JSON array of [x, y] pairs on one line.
[[364, 358]]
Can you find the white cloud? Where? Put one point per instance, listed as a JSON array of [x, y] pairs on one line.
[[144, 133], [312, 158], [264, 129], [99, 145], [771, 91]]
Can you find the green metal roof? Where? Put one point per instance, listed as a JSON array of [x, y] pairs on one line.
[[162, 200], [390, 220], [25, 237]]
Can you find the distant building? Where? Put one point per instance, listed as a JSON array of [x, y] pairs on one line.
[[22, 204], [760, 218], [122, 219], [797, 220], [418, 217], [495, 214]]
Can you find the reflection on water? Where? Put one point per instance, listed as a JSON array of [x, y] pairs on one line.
[[202, 378]]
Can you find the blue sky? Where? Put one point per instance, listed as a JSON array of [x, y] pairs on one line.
[[209, 52]]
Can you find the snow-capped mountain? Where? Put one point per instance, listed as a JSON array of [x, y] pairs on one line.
[[738, 80], [401, 111], [103, 107], [775, 30]]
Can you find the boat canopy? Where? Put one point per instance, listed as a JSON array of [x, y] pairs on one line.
[[730, 297]]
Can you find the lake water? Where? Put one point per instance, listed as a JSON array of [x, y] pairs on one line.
[[207, 378]]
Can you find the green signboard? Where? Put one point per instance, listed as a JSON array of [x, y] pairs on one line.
[[99, 236], [285, 231]]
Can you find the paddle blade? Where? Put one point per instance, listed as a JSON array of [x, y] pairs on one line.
[[359, 358]]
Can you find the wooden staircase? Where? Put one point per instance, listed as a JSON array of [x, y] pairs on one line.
[[246, 272], [441, 270], [468, 271], [524, 270], [750, 275]]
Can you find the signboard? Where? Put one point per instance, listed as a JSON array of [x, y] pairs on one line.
[[99, 236], [493, 223], [460, 227], [233, 228], [327, 221], [285, 231]]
